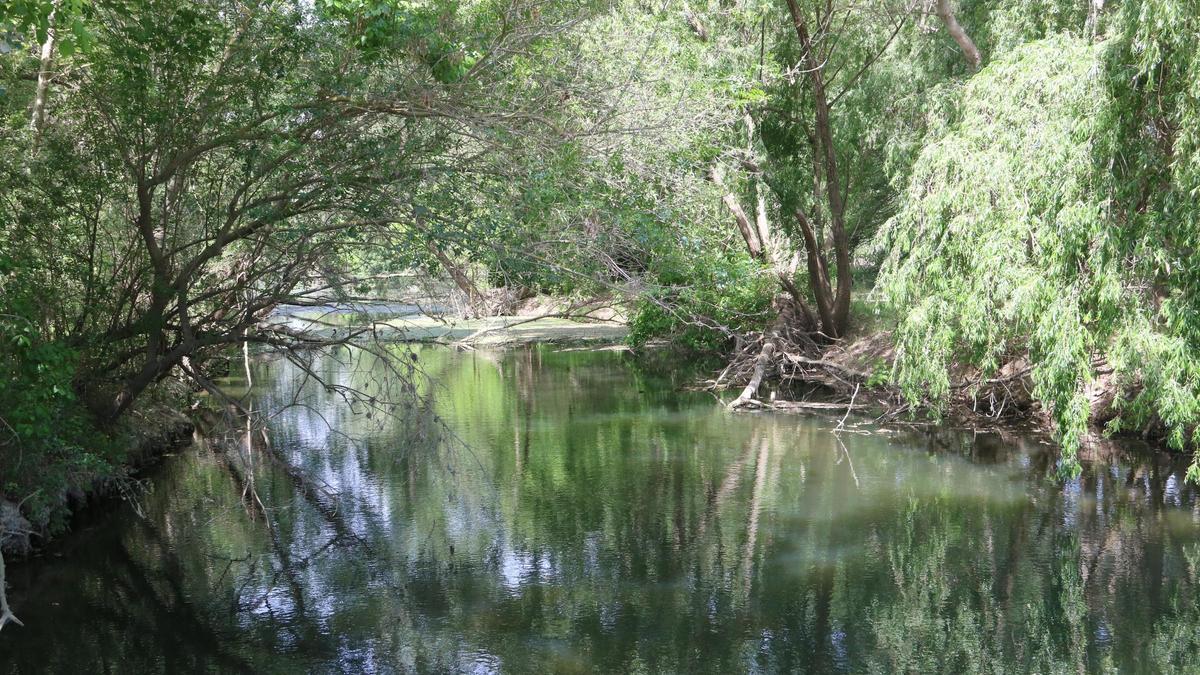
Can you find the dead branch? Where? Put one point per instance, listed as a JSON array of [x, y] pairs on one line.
[[6, 615], [760, 370]]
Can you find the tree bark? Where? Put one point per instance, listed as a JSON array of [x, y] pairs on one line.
[[37, 120], [839, 314], [761, 246], [753, 245], [818, 278], [760, 220], [970, 51], [760, 369], [464, 283], [694, 22], [1095, 9], [6, 615]]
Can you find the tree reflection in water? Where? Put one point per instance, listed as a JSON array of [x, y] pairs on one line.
[[593, 517]]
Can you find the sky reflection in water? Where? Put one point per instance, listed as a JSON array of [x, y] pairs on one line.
[[584, 515]]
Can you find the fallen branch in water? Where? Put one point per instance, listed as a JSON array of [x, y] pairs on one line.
[[6, 615], [760, 369], [842, 424]]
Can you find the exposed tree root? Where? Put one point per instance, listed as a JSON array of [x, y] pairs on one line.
[[789, 357]]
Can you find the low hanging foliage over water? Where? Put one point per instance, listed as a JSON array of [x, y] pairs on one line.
[[1054, 216], [990, 255]]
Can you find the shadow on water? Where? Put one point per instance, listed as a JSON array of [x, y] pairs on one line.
[[591, 517]]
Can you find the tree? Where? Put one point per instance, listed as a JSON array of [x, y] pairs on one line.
[[801, 146], [235, 171], [203, 164], [1051, 218], [970, 51]]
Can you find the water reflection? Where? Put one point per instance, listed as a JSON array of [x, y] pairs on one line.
[[577, 514]]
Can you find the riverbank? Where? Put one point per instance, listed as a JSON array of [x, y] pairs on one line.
[[149, 432], [159, 424], [505, 331], [854, 375], [541, 319]]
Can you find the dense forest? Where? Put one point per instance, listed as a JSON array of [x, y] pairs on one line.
[[947, 207]]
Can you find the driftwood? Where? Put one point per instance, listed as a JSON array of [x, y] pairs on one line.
[[799, 359], [6, 615], [796, 406], [760, 369]]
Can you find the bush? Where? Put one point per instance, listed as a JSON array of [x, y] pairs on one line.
[[48, 444], [705, 297]]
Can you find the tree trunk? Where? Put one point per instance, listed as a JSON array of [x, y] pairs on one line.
[[475, 299], [6, 615], [464, 283], [753, 245], [818, 278], [760, 220], [760, 244], [37, 120], [960, 36], [694, 22], [839, 313], [1095, 9]]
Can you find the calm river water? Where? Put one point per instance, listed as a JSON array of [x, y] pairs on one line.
[[551, 511]]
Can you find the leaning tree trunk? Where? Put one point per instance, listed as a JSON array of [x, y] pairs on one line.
[[475, 298], [970, 51], [761, 245]]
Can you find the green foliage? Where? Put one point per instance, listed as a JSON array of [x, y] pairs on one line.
[[1056, 216], [34, 18], [205, 161], [1045, 206], [705, 299], [47, 441], [998, 218], [428, 30]]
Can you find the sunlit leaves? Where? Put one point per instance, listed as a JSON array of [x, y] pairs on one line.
[[33, 19], [1001, 212], [431, 31]]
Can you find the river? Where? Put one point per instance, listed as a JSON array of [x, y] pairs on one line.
[[569, 511]]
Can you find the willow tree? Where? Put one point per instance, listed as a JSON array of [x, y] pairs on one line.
[[1053, 217]]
